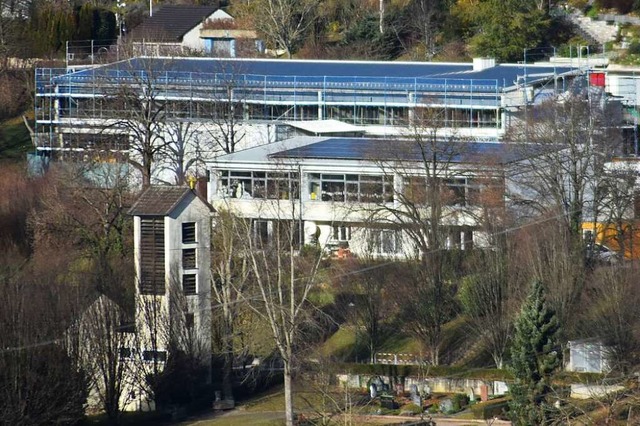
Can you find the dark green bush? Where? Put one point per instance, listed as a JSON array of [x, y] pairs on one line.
[[459, 401], [490, 409], [634, 47]]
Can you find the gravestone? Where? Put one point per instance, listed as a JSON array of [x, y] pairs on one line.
[[426, 391], [484, 393], [413, 390], [415, 398], [446, 406]]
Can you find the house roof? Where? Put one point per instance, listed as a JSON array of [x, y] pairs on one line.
[[406, 150], [172, 22], [160, 200], [335, 149]]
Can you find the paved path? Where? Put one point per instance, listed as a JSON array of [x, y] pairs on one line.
[[268, 417]]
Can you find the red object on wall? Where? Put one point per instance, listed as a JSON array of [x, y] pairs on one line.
[[597, 79]]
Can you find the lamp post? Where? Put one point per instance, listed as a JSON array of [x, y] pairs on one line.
[[352, 308]]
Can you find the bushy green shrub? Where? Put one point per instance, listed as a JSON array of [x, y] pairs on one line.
[[435, 408], [634, 47], [459, 401], [593, 11], [490, 409]]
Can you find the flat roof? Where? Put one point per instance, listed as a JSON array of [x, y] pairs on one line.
[[365, 149], [305, 71], [324, 126]]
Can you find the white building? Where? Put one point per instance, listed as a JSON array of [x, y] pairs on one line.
[[79, 114], [172, 231], [172, 29], [588, 356], [348, 193]]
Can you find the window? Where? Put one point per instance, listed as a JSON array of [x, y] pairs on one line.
[[260, 231], [188, 232], [451, 192], [267, 185], [189, 259], [342, 233], [455, 196], [351, 187], [152, 273], [157, 356], [125, 353], [189, 320], [386, 241], [189, 284]]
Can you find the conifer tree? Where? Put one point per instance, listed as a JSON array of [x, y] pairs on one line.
[[534, 360]]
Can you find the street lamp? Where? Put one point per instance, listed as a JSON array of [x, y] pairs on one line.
[[352, 308]]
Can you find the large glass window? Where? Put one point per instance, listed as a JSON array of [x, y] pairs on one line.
[[385, 241], [450, 192], [265, 185], [350, 187]]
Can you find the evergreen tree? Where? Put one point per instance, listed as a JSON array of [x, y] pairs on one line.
[[534, 359]]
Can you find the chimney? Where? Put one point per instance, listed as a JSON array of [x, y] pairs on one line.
[[480, 64]]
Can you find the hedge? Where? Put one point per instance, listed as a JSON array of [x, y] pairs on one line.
[[431, 371]]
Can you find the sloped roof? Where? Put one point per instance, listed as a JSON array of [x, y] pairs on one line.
[[171, 22], [159, 200], [333, 149]]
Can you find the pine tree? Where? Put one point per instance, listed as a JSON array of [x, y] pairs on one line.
[[534, 360]]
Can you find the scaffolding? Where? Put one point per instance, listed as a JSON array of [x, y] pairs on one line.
[[71, 100]]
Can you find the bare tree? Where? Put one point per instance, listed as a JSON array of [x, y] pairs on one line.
[[546, 251], [282, 280], [229, 280], [41, 378], [174, 342], [613, 316], [285, 22], [184, 154], [227, 113], [426, 20], [615, 225], [369, 296], [432, 201], [572, 138], [143, 119], [487, 298], [101, 330], [139, 102]]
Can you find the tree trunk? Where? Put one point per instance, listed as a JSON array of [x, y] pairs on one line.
[[288, 394], [381, 16], [227, 369]]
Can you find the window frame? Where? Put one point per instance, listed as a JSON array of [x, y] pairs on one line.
[[191, 290], [184, 235], [189, 260]]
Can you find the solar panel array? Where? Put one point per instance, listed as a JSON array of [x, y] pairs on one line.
[[407, 150]]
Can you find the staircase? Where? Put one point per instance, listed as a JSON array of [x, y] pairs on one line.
[[595, 32]]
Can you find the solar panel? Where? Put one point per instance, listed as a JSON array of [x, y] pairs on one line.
[[404, 150], [320, 73]]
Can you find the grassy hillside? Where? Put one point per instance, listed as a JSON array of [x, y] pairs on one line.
[[14, 140]]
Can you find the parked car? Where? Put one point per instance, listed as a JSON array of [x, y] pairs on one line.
[[602, 254]]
